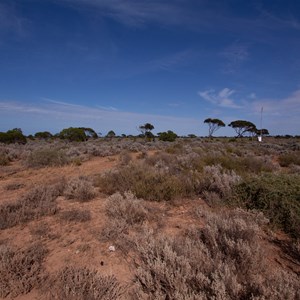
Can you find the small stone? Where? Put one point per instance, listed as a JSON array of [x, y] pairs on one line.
[[112, 248], [77, 251]]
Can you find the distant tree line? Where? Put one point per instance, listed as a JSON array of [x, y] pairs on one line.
[[81, 134]]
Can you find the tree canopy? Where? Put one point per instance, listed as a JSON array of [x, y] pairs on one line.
[[146, 130], [13, 136], [111, 134], [43, 135], [213, 125], [241, 127]]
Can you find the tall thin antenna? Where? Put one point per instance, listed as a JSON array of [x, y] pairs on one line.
[[261, 113]]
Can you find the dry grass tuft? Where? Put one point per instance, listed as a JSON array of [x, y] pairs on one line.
[[37, 203], [127, 208], [20, 271], [80, 189], [82, 283]]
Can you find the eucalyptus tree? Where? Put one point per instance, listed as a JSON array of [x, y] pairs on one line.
[[213, 125]]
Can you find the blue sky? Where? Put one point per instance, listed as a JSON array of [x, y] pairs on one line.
[[114, 65]]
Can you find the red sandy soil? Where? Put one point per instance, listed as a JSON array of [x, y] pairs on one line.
[[79, 243]]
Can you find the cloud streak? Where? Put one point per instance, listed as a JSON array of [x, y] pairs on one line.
[[223, 98]]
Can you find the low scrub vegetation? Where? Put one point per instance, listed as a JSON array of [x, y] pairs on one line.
[[80, 189], [20, 270], [288, 159], [47, 157], [169, 243], [40, 201], [277, 195], [127, 208], [223, 260], [144, 181], [82, 283]]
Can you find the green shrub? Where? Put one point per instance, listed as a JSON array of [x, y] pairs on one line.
[[144, 181], [242, 165], [13, 136], [277, 195], [45, 135], [168, 136], [47, 157]]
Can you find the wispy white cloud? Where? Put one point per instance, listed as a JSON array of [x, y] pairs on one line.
[[222, 98], [280, 107]]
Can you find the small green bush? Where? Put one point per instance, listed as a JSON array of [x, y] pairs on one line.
[[47, 157], [13, 136], [168, 136], [277, 195], [144, 181]]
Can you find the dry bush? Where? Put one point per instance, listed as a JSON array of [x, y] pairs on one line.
[[125, 158], [4, 161], [291, 158], [46, 157], [75, 215], [82, 283], [123, 212], [20, 270], [80, 189], [127, 208], [114, 230], [221, 261], [216, 179], [40, 201], [143, 180]]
